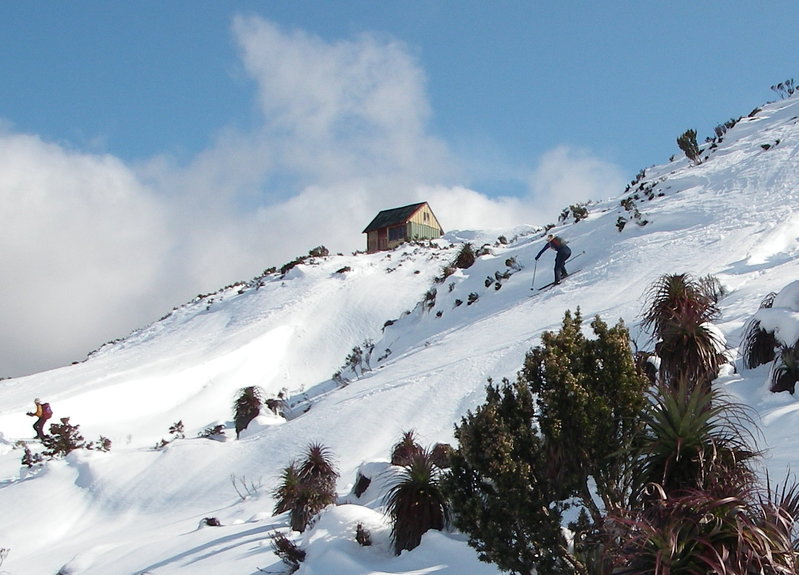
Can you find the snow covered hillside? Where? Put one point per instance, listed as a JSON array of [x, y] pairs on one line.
[[436, 339]]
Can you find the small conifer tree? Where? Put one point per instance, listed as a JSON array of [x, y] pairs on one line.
[[554, 439]]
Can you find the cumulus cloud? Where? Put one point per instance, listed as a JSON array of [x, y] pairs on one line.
[[93, 247], [80, 246]]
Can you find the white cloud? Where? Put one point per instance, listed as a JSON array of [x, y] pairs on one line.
[[565, 176], [80, 245], [93, 248], [351, 108]]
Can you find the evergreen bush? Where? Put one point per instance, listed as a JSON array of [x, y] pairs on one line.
[[687, 143], [553, 439]]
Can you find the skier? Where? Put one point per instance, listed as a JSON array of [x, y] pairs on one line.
[[42, 413], [563, 253]]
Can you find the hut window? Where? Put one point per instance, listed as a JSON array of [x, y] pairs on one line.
[[395, 234]]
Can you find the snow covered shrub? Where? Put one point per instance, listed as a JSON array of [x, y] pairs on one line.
[[405, 449], [473, 297], [319, 252], [29, 459], [430, 298], [360, 358], [4, 551], [785, 89], [416, 503], [246, 407], [288, 551], [577, 211], [103, 444], [63, 438], [307, 487], [769, 337], [466, 257], [216, 432], [362, 535], [362, 483], [687, 143], [176, 429], [758, 344]]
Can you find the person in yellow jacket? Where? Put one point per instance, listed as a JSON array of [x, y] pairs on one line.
[[42, 413]]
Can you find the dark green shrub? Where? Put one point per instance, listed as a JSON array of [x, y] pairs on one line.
[[699, 508], [785, 371], [499, 494], [554, 439], [687, 143]]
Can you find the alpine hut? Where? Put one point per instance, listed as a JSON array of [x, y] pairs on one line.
[[392, 227]]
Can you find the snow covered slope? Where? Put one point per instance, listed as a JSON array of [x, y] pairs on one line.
[[436, 341]]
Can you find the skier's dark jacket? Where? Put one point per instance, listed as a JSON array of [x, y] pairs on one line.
[[556, 244]]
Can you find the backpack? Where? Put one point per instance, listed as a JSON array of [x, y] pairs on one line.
[[47, 411]]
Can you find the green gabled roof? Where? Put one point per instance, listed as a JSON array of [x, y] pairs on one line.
[[393, 217]]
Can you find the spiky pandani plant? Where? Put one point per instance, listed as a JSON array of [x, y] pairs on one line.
[[753, 531], [416, 503], [678, 295], [689, 352], [758, 344], [318, 469], [307, 487], [678, 310], [287, 490], [405, 449], [700, 509], [246, 407], [694, 439]]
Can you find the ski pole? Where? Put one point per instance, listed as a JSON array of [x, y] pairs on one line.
[[535, 267]]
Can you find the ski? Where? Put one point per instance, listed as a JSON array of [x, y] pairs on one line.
[[550, 284]]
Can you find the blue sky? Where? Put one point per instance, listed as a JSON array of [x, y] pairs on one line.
[[506, 80], [150, 151]]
